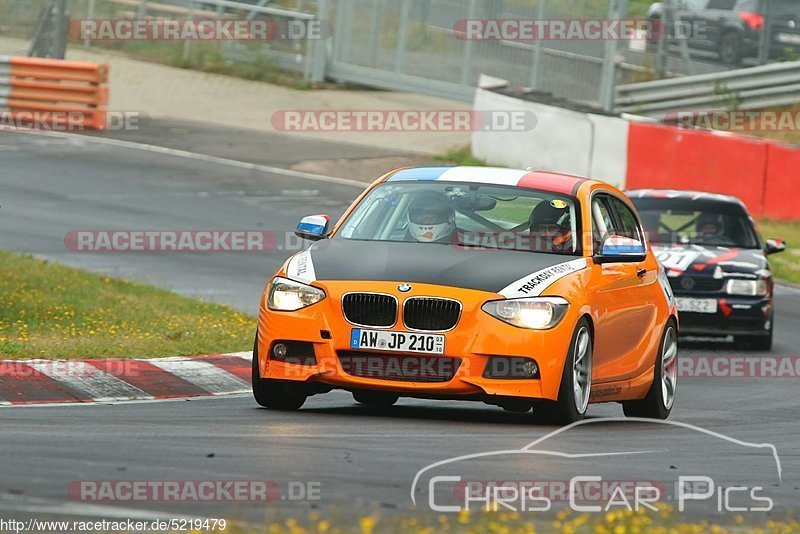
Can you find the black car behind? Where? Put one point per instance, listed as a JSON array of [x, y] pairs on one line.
[[734, 29], [716, 263]]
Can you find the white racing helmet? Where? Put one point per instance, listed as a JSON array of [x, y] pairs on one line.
[[431, 217]]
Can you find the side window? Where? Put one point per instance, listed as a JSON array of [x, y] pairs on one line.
[[628, 225], [602, 221]]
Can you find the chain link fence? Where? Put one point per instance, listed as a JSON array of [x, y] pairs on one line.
[[415, 45], [403, 42]]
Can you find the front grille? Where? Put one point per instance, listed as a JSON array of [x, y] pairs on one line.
[[398, 367], [370, 309], [433, 314], [697, 284]]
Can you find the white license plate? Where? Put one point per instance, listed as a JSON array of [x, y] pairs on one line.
[[361, 338], [697, 305], [790, 38]]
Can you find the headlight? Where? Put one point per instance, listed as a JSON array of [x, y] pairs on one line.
[[750, 288], [539, 313], [288, 295]]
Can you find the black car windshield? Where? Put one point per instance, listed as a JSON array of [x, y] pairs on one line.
[[467, 215], [685, 221]]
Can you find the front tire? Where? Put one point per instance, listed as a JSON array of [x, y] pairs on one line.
[[271, 393], [661, 396], [576, 381], [760, 343]]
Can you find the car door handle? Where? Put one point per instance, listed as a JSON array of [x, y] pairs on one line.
[[641, 273]]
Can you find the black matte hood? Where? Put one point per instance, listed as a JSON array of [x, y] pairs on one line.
[[427, 263]]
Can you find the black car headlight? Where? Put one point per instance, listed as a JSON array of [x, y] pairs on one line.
[[748, 288], [535, 313], [288, 295]]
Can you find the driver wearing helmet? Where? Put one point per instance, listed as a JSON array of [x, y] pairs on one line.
[[431, 218], [547, 235], [709, 226]]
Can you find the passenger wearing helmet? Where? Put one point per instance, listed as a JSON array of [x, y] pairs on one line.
[[547, 234], [431, 218]]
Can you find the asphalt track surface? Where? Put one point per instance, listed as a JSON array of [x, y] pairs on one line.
[[362, 459]]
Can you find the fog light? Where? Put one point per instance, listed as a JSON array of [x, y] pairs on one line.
[[511, 367], [530, 369], [293, 352], [279, 351]]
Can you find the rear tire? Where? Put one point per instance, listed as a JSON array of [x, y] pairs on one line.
[[576, 381], [377, 399], [661, 397], [271, 393]]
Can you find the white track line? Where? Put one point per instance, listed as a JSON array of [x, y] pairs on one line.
[[193, 156], [204, 375], [83, 509], [247, 355], [87, 405], [82, 377]]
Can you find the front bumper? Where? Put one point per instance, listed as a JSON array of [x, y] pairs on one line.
[[751, 316], [469, 346]]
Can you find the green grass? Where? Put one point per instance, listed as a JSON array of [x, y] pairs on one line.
[[786, 265], [791, 136], [51, 311], [461, 156], [616, 520]]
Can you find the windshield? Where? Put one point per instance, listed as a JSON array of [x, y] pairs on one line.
[[467, 215], [679, 221]]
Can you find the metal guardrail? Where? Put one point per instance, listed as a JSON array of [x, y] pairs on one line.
[[767, 86]]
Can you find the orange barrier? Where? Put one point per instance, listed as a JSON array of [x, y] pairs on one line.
[[782, 189], [665, 157], [54, 91]]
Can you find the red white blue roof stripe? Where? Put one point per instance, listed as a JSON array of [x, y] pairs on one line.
[[548, 181]]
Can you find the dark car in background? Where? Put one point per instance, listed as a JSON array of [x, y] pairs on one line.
[[716, 263], [734, 29]]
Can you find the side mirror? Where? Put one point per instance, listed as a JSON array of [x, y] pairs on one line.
[[774, 246], [619, 249], [313, 227]]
